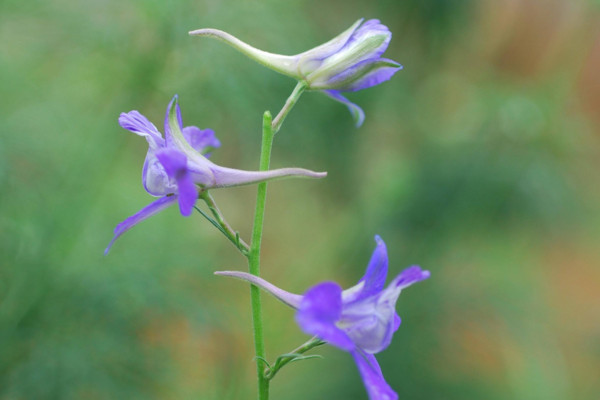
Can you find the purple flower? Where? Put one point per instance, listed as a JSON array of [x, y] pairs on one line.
[[175, 169], [360, 320], [349, 62]]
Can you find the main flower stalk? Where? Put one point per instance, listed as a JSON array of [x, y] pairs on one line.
[[254, 258], [270, 127]]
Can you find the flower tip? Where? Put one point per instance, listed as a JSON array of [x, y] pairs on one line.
[[424, 274], [410, 275], [110, 245], [380, 245], [185, 211], [313, 174], [174, 101], [203, 32]]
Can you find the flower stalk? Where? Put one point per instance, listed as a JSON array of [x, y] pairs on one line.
[[223, 226], [289, 104], [254, 258], [294, 355]]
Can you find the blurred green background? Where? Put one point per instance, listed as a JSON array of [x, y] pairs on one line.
[[479, 161]]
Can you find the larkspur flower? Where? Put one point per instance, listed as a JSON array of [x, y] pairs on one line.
[[176, 168], [349, 62], [360, 320]]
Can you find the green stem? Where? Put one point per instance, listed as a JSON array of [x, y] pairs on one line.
[[270, 127], [293, 355], [223, 226], [289, 104], [254, 258]]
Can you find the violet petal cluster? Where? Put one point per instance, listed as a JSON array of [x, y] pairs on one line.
[[360, 320], [176, 167], [349, 62]]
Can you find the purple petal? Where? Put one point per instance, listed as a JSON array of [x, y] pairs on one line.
[[370, 322], [320, 309], [372, 377], [135, 122], [141, 215], [371, 72], [188, 194], [357, 113], [409, 276], [173, 161], [362, 75], [290, 299], [374, 279], [175, 164], [312, 59], [369, 315], [369, 28], [200, 139], [168, 135], [154, 177], [397, 322]]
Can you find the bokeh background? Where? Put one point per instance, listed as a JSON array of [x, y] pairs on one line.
[[479, 161]]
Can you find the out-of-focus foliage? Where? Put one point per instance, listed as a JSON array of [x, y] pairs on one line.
[[478, 161]]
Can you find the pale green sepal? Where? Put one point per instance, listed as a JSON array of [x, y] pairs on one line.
[[358, 73], [201, 164], [345, 59], [312, 59]]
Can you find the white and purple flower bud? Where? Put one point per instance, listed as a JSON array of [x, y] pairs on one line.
[[349, 62]]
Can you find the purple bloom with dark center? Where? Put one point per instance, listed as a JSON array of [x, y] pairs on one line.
[[349, 62], [176, 168], [360, 320]]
